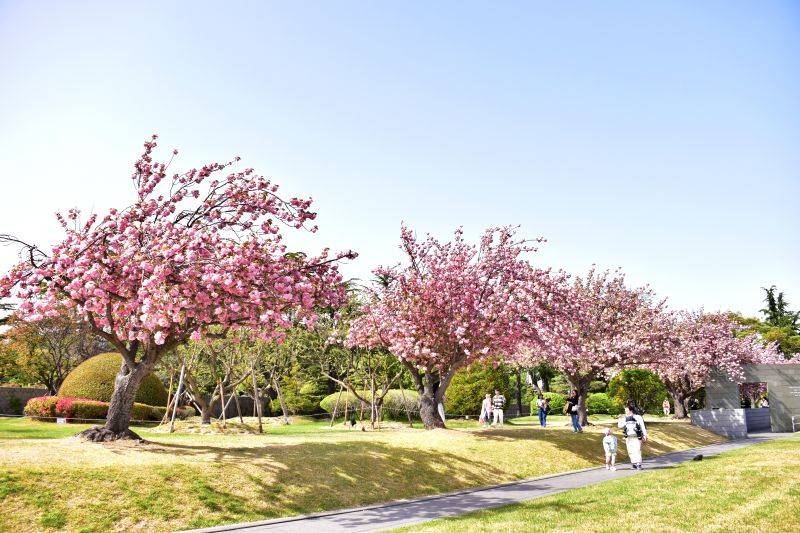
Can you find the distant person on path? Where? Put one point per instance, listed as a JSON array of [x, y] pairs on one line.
[[764, 403], [665, 405], [498, 403], [572, 411], [635, 433], [486, 410], [541, 404], [610, 449], [694, 404]]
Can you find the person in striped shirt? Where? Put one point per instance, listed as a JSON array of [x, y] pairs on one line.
[[498, 403]]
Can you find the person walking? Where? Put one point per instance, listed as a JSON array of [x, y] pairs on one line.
[[541, 404], [665, 405], [610, 448], [498, 403], [634, 433], [572, 411], [486, 411]]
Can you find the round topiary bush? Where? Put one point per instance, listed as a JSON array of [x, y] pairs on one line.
[[94, 380]]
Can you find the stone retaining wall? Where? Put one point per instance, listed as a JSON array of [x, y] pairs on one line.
[[22, 393], [758, 419], [730, 423]]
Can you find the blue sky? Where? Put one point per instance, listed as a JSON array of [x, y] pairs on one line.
[[663, 138]]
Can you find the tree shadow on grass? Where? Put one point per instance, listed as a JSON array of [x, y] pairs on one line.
[[308, 477]]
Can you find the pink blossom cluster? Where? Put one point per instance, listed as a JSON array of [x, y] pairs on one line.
[[611, 326], [454, 303], [697, 342], [196, 249]]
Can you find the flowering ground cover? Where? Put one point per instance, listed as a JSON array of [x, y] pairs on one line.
[[193, 480]]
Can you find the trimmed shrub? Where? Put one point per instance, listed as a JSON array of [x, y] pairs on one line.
[[41, 407], [601, 403], [642, 387], [94, 380], [394, 408], [81, 408], [470, 384], [555, 405], [598, 386]]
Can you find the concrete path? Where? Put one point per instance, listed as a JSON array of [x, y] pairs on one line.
[[406, 512]]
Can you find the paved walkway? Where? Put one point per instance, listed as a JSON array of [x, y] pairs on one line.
[[406, 512]]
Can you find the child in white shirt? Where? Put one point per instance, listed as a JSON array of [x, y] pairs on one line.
[[610, 447]]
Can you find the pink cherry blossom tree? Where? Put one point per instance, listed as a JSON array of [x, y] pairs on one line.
[[454, 303], [611, 330], [196, 249], [695, 344]]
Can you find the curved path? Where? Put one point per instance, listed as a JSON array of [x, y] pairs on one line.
[[406, 512]]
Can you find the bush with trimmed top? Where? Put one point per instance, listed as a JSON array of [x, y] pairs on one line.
[[94, 380]]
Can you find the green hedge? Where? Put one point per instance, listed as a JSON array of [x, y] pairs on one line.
[[470, 385], [555, 405], [94, 380], [394, 408], [601, 403]]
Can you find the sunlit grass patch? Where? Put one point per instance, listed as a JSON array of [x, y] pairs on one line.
[[183, 480]]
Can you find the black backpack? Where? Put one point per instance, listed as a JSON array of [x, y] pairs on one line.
[[639, 433]]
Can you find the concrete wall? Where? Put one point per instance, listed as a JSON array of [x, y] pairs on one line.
[[23, 393], [730, 423], [758, 419], [783, 384]]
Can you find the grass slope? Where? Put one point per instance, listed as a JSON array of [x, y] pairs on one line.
[[194, 480], [752, 489]]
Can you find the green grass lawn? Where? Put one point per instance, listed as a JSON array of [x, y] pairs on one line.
[[182, 480], [754, 489]]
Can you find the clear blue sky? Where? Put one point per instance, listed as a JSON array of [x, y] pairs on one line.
[[663, 138]]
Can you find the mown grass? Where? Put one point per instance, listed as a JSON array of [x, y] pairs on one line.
[[190, 480], [752, 489]]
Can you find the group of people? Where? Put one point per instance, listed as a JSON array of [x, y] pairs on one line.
[[492, 409], [634, 432]]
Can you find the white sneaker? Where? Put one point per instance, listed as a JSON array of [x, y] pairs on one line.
[[613, 468], [607, 467]]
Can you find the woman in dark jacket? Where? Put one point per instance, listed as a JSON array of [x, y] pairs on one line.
[[572, 410]]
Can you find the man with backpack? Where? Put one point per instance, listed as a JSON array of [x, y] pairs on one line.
[[635, 433], [498, 404]]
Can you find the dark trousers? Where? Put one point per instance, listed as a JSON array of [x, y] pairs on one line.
[[575, 424], [542, 417]]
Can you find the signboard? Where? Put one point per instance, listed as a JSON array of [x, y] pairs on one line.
[[794, 391], [61, 420]]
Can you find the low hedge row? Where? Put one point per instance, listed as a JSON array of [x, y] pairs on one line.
[[598, 403], [51, 407], [394, 406]]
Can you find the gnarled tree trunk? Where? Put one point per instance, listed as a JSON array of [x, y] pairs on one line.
[[431, 387], [121, 407]]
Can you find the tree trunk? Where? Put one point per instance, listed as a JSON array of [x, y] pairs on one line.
[[581, 384], [519, 392], [679, 399], [121, 407], [428, 400]]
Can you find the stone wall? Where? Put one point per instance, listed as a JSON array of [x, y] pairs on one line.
[[730, 423], [758, 419], [22, 393], [783, 385]]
